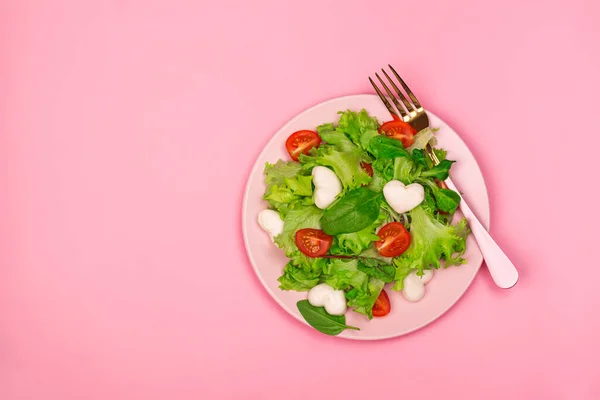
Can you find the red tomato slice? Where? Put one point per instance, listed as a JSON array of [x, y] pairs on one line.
[[313, 242], [367, 168], [395, 239], [382, 305], [400, 130], [301, 142]]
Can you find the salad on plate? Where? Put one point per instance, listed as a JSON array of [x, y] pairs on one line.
[[360, 205]]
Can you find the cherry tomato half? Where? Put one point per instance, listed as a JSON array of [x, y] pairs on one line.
[[313, 242], [400, 130], [394, 240], [301, 142], [367, 168], [382, 305]]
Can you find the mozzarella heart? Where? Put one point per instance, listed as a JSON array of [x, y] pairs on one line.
[[403, 198], [271, 222], [327, 186], [324, 295], [414, 285]]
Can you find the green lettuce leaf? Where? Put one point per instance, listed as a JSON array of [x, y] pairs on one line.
[[287, 188], [360, 127], [345, 164], [430, 242], [386, 147], [302, 273], [357, 242], [377, 269], [405, 170], [440, 171], [339, 140], [343, 274], [446, 200], [362, 301]]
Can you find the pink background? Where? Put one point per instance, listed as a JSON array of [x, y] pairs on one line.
[[128, 128]]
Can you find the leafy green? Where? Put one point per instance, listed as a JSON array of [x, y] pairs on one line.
[[342, 274], [378, 181], [377, 269], [431, 241], [440, 171], [362, 301], [276, 173], [356, 242], [301, 185], [360, 127], [440, 153], [296, 219], [319, 319], [418, 156], [402, 271], [386, 147], [446, 200], [335, 138], [324, 128], [286, 187], [355, 211], [301, 273], [405, 170], [345, 164]]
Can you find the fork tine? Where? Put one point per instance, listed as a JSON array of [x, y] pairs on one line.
[[394, 99], [406, 103], [405, 86], [384, 99]]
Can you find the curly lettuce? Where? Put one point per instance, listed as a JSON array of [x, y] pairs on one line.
[[287, 188], [431, 241]]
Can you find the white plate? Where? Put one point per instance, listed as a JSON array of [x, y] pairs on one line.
[[447, 286]]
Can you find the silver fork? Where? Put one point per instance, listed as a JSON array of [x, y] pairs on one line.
[[502, 270]]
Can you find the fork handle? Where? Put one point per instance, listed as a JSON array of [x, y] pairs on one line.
[[502, 270]]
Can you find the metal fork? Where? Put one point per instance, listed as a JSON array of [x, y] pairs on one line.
[[501, 269]]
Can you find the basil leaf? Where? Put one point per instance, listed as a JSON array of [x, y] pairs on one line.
[[377, 269], [358, 209], [440, 171], [325, 323], [385, 147], [447, 200], [418, 156]]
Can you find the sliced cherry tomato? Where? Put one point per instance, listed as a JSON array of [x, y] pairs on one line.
[[394, 240], [301, 142], [367, 168], [382, 305], [313, 242], [400, 130]]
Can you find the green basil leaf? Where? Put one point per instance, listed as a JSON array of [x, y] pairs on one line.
[[447, 200], [386, 147], [418, 156], [440, 171], [358, 209], [325, 323]]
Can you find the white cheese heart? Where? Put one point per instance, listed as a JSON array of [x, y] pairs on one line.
[[403, 198], [327, 186], [324, 295], [414, 285], [271, 222]]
